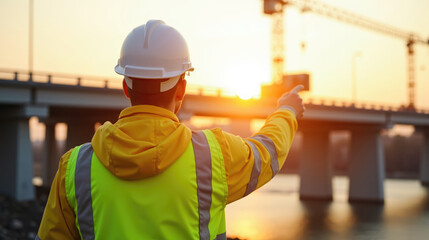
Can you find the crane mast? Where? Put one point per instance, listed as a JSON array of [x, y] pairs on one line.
[[275, 9], [411, 80], [277, 47]]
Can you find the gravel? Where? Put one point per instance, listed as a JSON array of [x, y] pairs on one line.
[[20, 220]]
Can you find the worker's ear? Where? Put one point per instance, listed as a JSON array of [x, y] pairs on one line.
[[180, 94], [125, 88], [181, 89]]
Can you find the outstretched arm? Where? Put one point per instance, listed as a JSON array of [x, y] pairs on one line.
[[252, 162]]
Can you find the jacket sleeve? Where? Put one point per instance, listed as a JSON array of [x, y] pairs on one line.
[[58, 220], [252, 162]]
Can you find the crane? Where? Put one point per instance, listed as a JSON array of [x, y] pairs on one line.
[[275, 9]]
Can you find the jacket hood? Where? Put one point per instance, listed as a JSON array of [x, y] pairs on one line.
[[145, 141]]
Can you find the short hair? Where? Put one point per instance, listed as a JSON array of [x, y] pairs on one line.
[[140, 96]]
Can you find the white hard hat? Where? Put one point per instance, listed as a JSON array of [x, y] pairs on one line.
[[154, 51]]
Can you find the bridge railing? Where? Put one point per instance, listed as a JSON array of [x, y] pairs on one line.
[[104, 82], [347, 103], [59, 79], [97, 82]]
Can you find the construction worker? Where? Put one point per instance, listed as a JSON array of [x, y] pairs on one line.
[[148, 176]]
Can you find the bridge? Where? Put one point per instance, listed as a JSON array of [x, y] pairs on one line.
[[81, 102]]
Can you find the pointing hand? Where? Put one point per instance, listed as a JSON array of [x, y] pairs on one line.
[[293, 100]]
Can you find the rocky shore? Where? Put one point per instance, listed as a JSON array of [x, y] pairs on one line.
[[20, 220]]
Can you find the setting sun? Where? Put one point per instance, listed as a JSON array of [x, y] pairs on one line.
[[248, 92], [244, 79]]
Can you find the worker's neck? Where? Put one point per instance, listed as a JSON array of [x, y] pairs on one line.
[[170, 107]]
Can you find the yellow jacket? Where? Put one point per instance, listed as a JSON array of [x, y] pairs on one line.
[[146, 140]]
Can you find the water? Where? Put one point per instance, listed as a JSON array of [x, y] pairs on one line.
[[275, 212]]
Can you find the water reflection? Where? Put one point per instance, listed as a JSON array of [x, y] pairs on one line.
[[275, 212]]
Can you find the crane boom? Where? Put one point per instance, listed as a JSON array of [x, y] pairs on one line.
[[353, 19], [357, 20], [360, 21]]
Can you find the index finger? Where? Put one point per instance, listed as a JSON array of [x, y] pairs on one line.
[[297, 89]]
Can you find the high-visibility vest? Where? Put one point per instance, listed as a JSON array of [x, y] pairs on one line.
[[186, 201]]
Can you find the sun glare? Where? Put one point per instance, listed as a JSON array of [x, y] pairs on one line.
[[245, 80], [248, 92]]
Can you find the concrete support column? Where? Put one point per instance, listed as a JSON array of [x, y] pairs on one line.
[[240, 126], [315, 166], [79, 132], [16, 160], [424, 160], [50, 159], [366, 168]]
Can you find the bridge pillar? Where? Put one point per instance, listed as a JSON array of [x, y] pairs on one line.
[[16, 161], [16, 165], [79, 132], [424, 160], [315, 166], [50, 159], [366, 168]]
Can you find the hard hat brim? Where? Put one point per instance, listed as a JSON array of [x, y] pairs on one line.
[[151, 73]]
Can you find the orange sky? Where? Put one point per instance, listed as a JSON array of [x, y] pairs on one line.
[[229, 42]]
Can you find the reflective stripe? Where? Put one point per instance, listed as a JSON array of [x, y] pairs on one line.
[[204, 181], [37, 237], [251, 186], [221, 236], [269, 145], [83, 191]]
